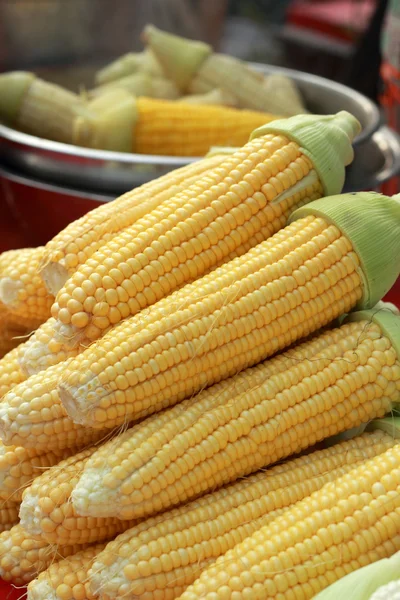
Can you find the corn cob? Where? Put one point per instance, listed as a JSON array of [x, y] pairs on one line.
[[39, 108], [19, 466], [21, 288], [46, 510], [163, 127], [249, 422], [8, 514], [347, 524], [67, 579], [34, 417], [225, 213], [132, 62], [168, 555], [12, 332], [78, 241], [140, 84], [284, 289], [365, 583], [22, 557], [196, 69], [10, 371], [217, 97]]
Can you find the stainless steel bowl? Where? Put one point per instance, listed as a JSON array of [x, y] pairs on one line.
[[42, 209], [115, 172]]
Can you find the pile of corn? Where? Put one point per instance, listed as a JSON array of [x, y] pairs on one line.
[[207, 409], [177, 98]]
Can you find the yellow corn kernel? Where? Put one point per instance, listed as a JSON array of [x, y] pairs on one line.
[[9, 510], [19, 466], [21, 288], [179, 129], [67, 579], [244, 424], [46, 510], [294, 283], [22, 557], [78, 241], [10, 371], [163, 555], [347, 524]]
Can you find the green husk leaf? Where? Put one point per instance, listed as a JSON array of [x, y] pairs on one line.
[[13, 87], [360, 584], [390, 425], [111, 123], [325, 139], [371, 222]]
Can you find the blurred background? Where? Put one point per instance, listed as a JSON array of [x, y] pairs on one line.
[[344, 40]]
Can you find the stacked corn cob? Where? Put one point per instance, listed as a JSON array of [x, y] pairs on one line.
[[171, 310]]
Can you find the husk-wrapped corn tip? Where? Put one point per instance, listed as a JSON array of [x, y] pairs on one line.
[[40, 108], [180, 58], [325, 139], [372, 222]]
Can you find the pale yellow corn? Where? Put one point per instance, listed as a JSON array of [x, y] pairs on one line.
[[285, 288], [33, 417], [67, 579], [236, 205], [47, 512], [78, 241], [346, 377], [161, 556], [9, 510], [19, 467], [22, 557], [10, 371], [22, 289], [347, 524]]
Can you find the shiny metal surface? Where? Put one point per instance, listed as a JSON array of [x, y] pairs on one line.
[[375, 162], [115, 172]]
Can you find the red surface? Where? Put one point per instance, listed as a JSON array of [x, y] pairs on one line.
[[8, 592], [341, 19]]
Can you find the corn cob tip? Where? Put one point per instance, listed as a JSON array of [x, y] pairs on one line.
[[325, 139], [110, 122], [179, 57], [12, 90], [371, 222]]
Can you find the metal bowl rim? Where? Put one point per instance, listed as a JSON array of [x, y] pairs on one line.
[[19, 137]]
